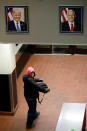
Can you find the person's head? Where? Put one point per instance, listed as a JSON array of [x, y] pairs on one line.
[[16, 14], [30, 72], [71, 15]]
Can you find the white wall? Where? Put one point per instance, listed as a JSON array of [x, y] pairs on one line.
[[16, 48], [7, 59]]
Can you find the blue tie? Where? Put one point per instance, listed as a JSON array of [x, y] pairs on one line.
[[18, 28]]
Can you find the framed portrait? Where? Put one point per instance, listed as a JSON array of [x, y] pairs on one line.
[[71, 19], [17, 19]]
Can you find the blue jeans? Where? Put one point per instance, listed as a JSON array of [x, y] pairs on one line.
[[31, 112]]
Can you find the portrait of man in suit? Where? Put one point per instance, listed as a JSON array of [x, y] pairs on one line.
[[16, 22], [70, 24]]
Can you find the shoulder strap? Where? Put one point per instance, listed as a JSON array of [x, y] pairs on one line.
[[40, 101]]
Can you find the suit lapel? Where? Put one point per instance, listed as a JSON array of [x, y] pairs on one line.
[[68, 28]]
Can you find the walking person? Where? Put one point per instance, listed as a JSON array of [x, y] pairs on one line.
[[31, 93]]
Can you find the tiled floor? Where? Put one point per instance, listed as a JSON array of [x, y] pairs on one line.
[[66, 76]]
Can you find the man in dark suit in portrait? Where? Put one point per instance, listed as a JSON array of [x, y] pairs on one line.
[[71, 25], [16, 24]]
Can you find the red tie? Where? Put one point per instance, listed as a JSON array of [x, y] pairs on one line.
[[72, 29]]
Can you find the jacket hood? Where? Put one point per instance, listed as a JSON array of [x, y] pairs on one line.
[[30, 70]]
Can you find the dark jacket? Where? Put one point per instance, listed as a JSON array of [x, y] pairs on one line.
[[65, 27], [11, 26], [32, 87]]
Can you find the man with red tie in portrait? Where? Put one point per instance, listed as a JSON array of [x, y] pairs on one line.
[[71, 25]]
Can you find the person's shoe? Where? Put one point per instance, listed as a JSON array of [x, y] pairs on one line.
[[37, 114], [28, 127]]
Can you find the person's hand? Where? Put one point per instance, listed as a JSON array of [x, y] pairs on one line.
[[41, 80], [47, 90]]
